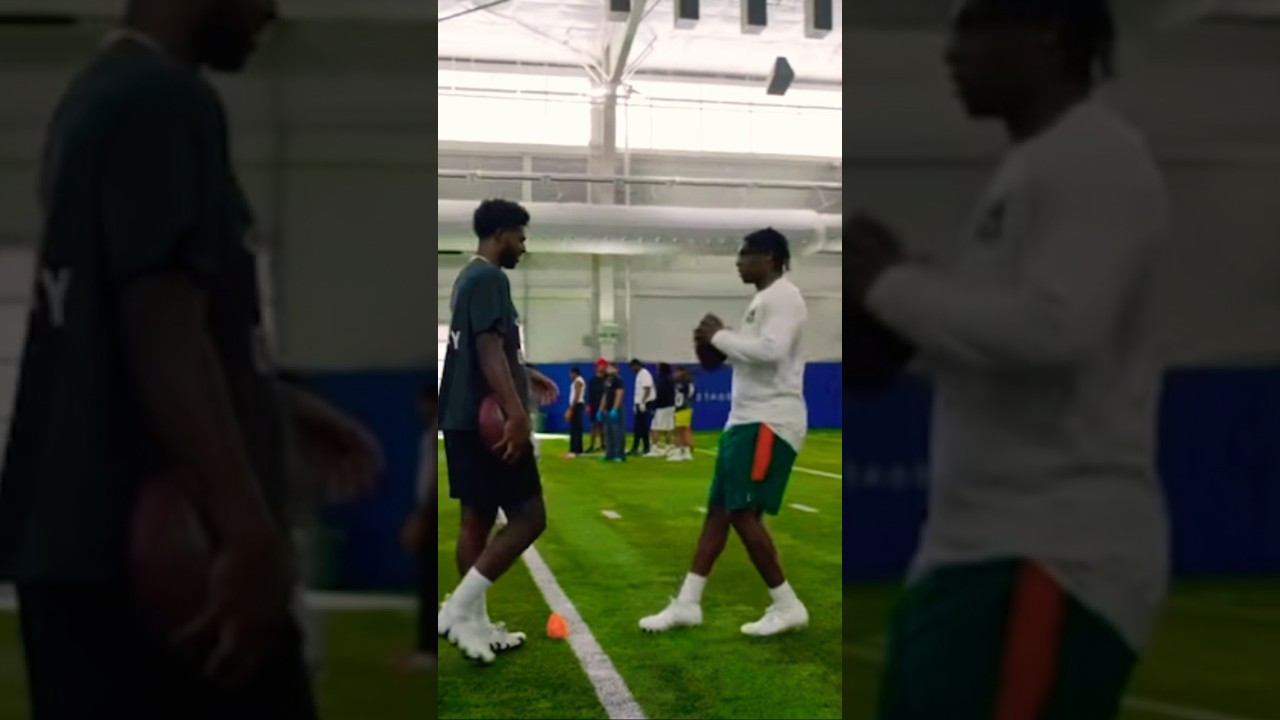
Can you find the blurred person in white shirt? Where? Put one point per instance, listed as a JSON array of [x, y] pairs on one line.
[[1044, 561]]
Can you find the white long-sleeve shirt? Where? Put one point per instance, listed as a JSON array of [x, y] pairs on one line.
[[768, 366], [1047, 371]]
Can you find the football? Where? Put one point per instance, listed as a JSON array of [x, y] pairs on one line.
[[874, 355], [170, 554], [709, 357], [491, 421]]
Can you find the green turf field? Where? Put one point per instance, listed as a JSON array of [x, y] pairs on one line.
[[357, 683], [617, 571], [1214, 658]]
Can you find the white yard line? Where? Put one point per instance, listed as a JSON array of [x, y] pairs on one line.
[[804, 508], [809, 471], [1155, 708], [612, 690], [611, 514]]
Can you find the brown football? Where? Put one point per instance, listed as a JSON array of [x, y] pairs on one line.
[[171, 553], [491, 422], [709, 357], [874, 355]]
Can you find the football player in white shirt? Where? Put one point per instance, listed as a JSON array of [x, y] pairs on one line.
[[1044, 560], [766, 428]]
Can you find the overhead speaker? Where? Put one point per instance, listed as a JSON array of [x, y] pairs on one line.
[[781, 78], [819, 18], [687, 14], [755, 16], [618, 10]]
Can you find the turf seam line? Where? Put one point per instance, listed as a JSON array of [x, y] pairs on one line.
[[612, 690]]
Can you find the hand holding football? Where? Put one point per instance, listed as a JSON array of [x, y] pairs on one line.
[[708, 356], [874, 354]]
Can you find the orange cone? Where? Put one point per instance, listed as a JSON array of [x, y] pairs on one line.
[[557, 628]]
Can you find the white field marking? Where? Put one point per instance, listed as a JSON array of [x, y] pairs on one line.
[[540, 436], [819, 473], [619, 703], [1177, 712], [612, 515], [804, 508], [701, 510], [1157, 708]]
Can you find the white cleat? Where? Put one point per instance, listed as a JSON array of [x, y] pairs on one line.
[[677, 614], [472, 636], [501, 639], [778, 619]]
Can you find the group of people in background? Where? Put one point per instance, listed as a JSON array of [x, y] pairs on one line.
[[662, 412]]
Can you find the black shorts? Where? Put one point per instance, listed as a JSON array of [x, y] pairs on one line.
[[479, 478], [88, 655]]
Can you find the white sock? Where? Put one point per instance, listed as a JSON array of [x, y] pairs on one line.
[[484, 607], [470, 593], [691, 590], [784, 595]]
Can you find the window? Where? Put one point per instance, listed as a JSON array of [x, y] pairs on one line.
[[655, 115], [481, 107], [730, 118]]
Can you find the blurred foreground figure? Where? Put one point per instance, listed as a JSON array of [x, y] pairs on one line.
[[1044, 561], [145, 363], [420, 531]]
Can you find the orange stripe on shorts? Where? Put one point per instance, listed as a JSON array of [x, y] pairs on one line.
[[1032, 641], [763, 455]]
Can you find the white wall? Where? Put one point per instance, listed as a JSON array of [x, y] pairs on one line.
[[668, 295]]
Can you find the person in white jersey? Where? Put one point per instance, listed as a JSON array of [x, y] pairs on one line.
[[766, 428], [1044, 561], [643, 409], [576, 411]]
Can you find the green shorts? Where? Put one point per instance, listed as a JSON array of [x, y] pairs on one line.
[[1001, 640], [752, 469]]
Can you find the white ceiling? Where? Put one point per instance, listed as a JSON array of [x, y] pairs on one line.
[[577, 31]]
